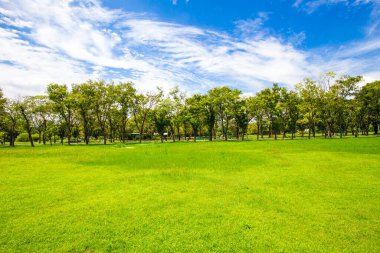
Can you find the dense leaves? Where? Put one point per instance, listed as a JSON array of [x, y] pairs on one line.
[[96, 110]]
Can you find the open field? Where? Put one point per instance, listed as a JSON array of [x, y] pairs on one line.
[[259, 196]]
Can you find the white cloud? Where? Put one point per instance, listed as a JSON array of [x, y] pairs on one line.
[[312, 6], [46, 41], [25, 67], [252, 27], [174, 2]]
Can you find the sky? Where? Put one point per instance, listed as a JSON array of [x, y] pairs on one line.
[[193, 44]]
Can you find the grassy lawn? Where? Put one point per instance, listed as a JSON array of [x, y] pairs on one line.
[[258, 196]]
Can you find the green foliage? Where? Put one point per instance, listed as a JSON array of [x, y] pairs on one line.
[[24, 137], [2, 104], [329, 106], [369, 102], [194, 113], [142, 105], [3, 135]]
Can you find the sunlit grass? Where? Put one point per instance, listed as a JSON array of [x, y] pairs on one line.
[[280, 196]]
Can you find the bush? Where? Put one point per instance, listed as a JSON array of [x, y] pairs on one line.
[[35, 137], [23, 137]]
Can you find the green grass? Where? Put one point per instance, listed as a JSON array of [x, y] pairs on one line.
[[259, 196]]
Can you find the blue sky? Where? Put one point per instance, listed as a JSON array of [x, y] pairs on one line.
[[191, 43]]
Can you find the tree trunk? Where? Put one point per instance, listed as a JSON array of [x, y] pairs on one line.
[[28, 128], [140, 136], [69, 128], [270, 131], [68, 138], [226, 131], [375, 127], [185, 131], [210, 131], [258, 131], [123, 126], [356, 131], [214, 130], [237, 131], [86, 138], [223, 129], [44, 138], [173, 132], [12, 141]]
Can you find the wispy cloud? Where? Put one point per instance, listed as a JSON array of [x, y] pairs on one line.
[[372, 28], [71, 41], [174, 2], [312, 6], [252, 27]]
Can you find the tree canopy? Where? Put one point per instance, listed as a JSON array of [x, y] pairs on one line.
[[97, 110]]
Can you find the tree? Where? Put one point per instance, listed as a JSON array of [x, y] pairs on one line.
[[141, 106], [369, 98], [124, 94], [2, 104], [103, 100], [344, 90], [241, 117], [282, 111], [11, 119], [41, 110], [161, 117], [271, 99], [325, 103], [175, 104], [326, 80], [83, 97], [194, 110], [223, 99], [256, 108], [208, 108], [26, 110], [292, 104], [3, 101], [97, 108], [63, 105], [309, 93]]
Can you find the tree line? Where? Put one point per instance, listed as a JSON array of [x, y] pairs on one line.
[[330, 106]]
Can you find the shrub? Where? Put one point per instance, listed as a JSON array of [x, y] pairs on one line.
[[23, 137]]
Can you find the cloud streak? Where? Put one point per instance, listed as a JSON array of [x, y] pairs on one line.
[[70, 41]]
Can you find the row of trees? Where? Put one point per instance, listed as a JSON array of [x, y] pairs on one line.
[[95, 109]]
